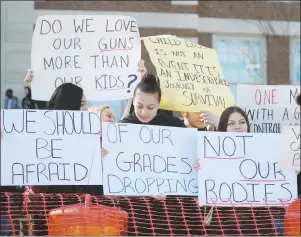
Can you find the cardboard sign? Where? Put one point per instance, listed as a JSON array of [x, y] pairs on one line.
[[290, 148], [40, 147], [149, 160], [190, 75], [269, 107], [98, 53], [242, 169]]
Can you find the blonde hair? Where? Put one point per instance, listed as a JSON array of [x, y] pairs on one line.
[[99, 108]]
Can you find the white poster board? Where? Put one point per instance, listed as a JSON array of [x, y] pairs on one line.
[[242, 169], [98, 53], [40, 147], [149, 160], [290, 148], [269, 107]]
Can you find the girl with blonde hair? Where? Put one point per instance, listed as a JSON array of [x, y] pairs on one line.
[[106, 115]]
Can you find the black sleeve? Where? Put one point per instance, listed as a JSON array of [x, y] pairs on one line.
[[178, 123]]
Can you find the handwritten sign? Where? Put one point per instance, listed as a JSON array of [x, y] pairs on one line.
[[269, 107], [42, 147], [98, 53], [190, 75], [242, 169], [290, 148], [149, 160]]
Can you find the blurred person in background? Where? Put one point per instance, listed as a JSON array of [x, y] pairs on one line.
[[203, 121], [27, 102], [11, 101]]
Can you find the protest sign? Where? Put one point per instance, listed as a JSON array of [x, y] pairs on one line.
[[149, 160], [42, 147], [290, 148], [190, 75], [269, 107], [98, 53], [242, 169]]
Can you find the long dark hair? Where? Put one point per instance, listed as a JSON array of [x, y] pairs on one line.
[[66, 97], [298, 100], [30, 104], [223, 122], [29, 92], [149, 84], [40, 104]]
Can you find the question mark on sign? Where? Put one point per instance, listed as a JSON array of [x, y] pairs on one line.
[[131, 81]]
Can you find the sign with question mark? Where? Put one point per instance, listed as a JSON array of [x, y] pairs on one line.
[[134, 78], [97, 53]]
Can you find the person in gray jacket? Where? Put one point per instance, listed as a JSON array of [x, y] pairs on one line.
[[11, 101]]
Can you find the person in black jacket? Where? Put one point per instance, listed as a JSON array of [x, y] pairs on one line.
[[27, 102], [145, 110], [146, 103]]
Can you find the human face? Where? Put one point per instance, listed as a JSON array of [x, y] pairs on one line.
[[237, 123], [107, 115], [194, 119], [9, 94], [145, 106], [83, 104]]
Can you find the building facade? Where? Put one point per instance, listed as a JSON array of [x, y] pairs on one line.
[[258, 42]]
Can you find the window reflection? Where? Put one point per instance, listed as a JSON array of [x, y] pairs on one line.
[[241, 60], [296, 62]]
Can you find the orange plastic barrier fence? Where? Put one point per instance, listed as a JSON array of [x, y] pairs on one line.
[[79, 214]]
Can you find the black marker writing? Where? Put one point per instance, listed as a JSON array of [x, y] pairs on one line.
[[83, 26], [108, 61], [25, 122], [114, 132], [56, 63], [50, 148], [41, 172], [155, 135], [47, 27], [121, 26], [67, 43], [68, 122], [150, 185]]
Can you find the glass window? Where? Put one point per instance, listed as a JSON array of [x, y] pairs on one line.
[[295, 69], [242, 60]]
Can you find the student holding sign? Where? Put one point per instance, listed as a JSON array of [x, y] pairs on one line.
[[146, 102], [234, 119], [106, 115], [200, 120]]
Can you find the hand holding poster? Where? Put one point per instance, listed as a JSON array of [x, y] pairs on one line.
[[250, 171], [269, 107], [190, 75], [159, 160], [50, 148], [290, 148], [98, 53]]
